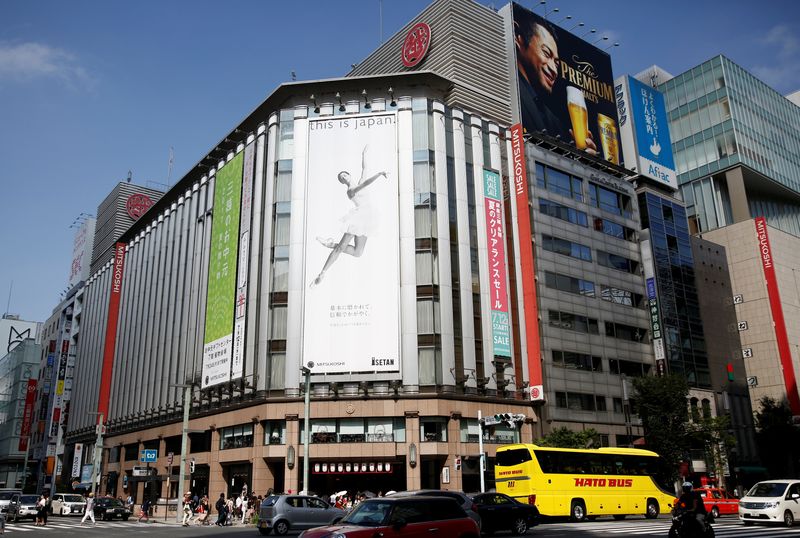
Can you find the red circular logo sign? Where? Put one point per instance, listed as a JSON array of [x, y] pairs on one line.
[[535, 395], [137, 205], [416, 44]]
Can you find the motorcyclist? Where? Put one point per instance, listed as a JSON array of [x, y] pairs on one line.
[[692, 501]]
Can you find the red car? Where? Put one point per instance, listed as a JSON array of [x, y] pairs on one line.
[[719, 502], [406, 517]]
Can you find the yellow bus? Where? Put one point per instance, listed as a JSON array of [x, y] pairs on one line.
[[584, 484]]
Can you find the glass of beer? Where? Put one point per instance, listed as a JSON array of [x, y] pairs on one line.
[[576, 105], [608, 138]]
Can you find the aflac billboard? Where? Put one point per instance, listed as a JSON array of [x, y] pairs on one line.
[[644, 131]]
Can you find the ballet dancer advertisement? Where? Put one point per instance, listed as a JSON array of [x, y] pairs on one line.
[[351, 319]]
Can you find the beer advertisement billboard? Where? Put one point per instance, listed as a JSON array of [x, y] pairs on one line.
[[644, 131], [351, 319], [218, 341], [566, 86]]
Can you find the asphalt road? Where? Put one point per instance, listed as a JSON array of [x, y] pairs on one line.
[[725, 527]]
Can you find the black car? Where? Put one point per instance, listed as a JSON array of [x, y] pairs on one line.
[[107, 508], [500, 512]]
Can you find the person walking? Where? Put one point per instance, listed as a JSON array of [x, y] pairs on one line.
[[145, 512], [229, 508], [129, 503], [89, 511], [46, 507], [187, 509], [240, 507], [220, 506]]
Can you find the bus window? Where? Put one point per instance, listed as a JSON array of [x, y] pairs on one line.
[[515, 456]]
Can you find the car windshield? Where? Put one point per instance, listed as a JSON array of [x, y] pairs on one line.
[[369, 514], [768, 489], [270, 501], [110, 502], [6, 495], [73, 499], [28, 499]]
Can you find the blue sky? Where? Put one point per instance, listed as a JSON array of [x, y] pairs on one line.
[[91, 89]]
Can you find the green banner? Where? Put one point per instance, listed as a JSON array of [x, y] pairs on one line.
[[224, 249]]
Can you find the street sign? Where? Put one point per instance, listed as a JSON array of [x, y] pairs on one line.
[[148, 456]]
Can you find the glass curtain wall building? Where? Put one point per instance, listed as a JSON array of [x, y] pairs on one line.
[[736, 146]]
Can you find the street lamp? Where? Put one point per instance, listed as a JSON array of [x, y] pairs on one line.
[[187, 403], [96, 455], [307, 423]]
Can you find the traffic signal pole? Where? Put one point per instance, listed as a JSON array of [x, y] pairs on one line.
[[480, 448]]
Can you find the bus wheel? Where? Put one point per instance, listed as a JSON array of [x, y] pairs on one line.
[[619, 517], [578, 511], [652, 509]]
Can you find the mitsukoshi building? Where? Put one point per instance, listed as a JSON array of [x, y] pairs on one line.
[[400, 235]]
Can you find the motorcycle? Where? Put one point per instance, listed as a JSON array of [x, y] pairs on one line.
[[685, 525]]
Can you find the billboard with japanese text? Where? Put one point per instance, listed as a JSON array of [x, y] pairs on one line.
[[351, 319], [566, 86], [495, 245]]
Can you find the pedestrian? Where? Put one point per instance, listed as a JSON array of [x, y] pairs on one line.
[[2, 523], [48, 508], [205, 510], [240, 507], [129, 503], [89, 511], [145, 511], [187, 509], [229, 508], [220, 506], [40, 507]]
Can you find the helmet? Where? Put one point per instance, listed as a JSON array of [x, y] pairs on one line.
[[687, 486]]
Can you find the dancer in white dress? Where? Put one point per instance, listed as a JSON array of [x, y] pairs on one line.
[[357, 222]]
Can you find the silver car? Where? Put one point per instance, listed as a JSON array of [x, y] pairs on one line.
[[5, 498], [280, 513], [22, 507]]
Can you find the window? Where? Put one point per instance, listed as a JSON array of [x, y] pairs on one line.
[[275, 432], [559, 211], [132, 452], [609, 227], [625, 332], [614, 261], [559, 182], [618, 405], [573, 322], [628, 368], [577, 361], [611, 201], [566, 247], [433, 429], [580, 401], [569, 284], [236, 437], [469, 430], [620, 296]]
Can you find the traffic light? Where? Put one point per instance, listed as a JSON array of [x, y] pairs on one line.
[[191, 466], [729, 367]]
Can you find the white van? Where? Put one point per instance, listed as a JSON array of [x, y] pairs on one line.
[[68, 504], [771, 501], [5, 497]]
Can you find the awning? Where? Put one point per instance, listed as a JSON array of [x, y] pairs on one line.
[[82, 485]]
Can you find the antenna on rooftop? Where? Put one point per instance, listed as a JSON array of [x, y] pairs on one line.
[[169, 164], [294, 76], [8, 303], [130, 176], [380, 18]]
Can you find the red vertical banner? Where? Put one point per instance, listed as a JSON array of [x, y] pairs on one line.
[[111, 330], [25, 430], [527, 265], [778, 322]]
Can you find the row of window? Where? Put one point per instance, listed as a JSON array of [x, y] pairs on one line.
[[575, 216], [566, 247], [592, 363], [569, 186], [579, 286]]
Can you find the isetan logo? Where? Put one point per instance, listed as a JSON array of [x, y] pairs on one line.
[[603, 482], [119, 260], [763, 242], [517, 156]]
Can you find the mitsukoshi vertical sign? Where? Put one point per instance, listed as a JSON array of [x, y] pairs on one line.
[[218, 340], [493, 207], [351, 320]]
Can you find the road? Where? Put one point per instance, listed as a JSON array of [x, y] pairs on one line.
[[725, 527]]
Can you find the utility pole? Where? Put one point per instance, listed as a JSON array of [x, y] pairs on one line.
[[96, 456], [187, 403], [306, 422], [481, 461]]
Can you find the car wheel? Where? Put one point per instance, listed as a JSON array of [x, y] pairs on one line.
[[578, 511], [715, 512], [125, 518], [281, 527], [619, 517], [264, 532], [520, 526], [652, 510], [788, 518]]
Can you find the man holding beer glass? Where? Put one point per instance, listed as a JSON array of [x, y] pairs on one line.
[[537, 63]]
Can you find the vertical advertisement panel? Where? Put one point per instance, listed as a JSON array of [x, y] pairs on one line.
[[27, 416], [493, 207], [527, 265], [237, 363], [778, 321], [218, 340], [566, 86], [61, 375], [645, 131], [110, 342], [351, 321], [77, 459]]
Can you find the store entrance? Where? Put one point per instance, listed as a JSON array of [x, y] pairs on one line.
[[327, 483], [237, 475]]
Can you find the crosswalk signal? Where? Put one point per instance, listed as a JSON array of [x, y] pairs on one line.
[[191, 466], [729, 367]]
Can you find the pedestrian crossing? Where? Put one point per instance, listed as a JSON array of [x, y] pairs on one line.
[[723, 528], [54, 525]]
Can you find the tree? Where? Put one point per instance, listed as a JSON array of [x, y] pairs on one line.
[[713, 434], [565, 438], [777, 437], [661, 404]]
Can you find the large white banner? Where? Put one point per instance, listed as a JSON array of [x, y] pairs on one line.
[[351, 321]]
